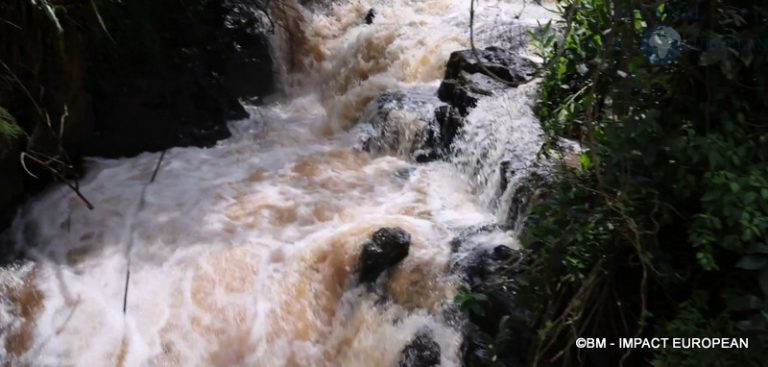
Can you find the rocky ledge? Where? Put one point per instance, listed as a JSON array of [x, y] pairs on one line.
[[122, 78], [406, 122]]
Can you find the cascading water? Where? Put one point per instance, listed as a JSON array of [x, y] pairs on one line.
[[243, 254]]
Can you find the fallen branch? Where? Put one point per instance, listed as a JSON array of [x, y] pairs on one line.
[[57, 167], [75, 187]]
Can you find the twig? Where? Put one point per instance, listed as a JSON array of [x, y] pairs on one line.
[[101, 21], [129, 247], [74, 187], [6, 21]]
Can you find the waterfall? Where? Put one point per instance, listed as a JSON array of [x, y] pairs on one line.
[[243, 253]]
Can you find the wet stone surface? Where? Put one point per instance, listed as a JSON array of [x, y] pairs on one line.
[[387, 247], [422, 351]]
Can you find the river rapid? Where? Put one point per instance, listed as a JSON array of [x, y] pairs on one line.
[[244, 254]]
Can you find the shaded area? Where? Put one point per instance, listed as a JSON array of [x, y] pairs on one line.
[[115, 79]]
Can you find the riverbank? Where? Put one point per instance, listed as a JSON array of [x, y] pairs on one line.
[[114, 79]]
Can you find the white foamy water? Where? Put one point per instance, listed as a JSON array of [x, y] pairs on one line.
[[244, 253]]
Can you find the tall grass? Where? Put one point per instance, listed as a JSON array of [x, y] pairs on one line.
[[9, 129]]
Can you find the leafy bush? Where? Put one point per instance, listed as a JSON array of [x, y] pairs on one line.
[[662, 229]]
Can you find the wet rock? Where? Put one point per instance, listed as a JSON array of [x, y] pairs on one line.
[[469, 238], [519, 204], [517, 194], [518, 199], [503, 332], [241, 51], [177, 76], [160, 75], [426, 156], [387, 247], [422, 351], [464, 91], [466, 81], [494, 271], [483, 264], [369, 17], [505, 172], [403, 122], [449, 120], [498, 62]]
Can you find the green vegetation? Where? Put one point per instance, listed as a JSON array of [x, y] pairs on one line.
[[9, 129], [661, 229], [470, 301]]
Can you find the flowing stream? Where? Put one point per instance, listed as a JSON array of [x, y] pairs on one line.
[[244, 253]]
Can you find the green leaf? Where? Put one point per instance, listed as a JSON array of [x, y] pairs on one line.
[[9, 129], [586, 162]]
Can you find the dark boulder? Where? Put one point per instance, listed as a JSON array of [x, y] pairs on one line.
[[153, 75], [422, 351], [177, 75], [494, 62], [495, 271], [467, 80], [464, 91], [241, 50], [387, 247]]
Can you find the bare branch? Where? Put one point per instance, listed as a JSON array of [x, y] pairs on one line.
[[24, 164]]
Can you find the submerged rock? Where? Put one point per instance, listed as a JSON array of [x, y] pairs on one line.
[[387, 247], [403, 122], [422, 351]]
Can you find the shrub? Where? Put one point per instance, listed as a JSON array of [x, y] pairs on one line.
[[662, 229]]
